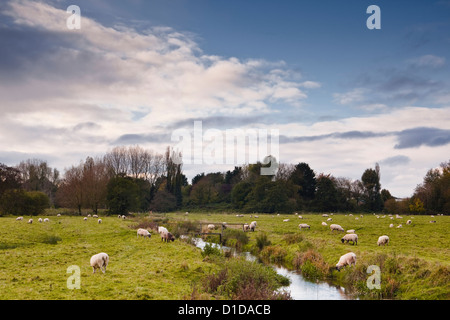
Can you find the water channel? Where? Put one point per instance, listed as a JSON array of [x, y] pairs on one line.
[[299, 287]]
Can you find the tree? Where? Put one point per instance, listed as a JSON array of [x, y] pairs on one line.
[[19, 201], [326, 197], [371, 182], [71, 191], [122, 195], [303, 179], [10, 178]]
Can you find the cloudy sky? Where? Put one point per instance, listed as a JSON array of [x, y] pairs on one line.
[[341, 96]]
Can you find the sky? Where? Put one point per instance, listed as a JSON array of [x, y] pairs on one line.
[[337, 95]]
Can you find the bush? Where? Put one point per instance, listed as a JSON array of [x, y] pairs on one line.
[[240, 279], [235, 238], [262, 240], [18, 201], [209, 250]]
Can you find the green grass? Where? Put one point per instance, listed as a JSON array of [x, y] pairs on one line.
[[34, 259], [415, 265]]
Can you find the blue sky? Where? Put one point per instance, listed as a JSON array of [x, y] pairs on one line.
[[343, 97]]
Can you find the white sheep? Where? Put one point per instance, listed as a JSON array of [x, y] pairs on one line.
[[324, 215], [95, 216], [336, 227], [408, 222], [123, 217], [324, 223], [304, 225], [253, 225], [285, 220], [347, 259], [350, 237], [383, 240], [40, 219], [211, 227], [351, 231], [99, 220], [330, 219], [300, 217], [58, 215], [399, 226], [391, 225], [162, 230], [19, 218], [99, 261], [30, 221], [46, 220], [143, 233], [246, 227]]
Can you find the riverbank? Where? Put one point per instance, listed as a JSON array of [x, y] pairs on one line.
[[415, 265]]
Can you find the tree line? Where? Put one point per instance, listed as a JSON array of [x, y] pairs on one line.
[[133, 179]]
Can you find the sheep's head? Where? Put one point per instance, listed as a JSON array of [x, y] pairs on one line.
[[342, 240]]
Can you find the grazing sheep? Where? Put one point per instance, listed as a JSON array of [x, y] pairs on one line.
[[40, 219], [324, 223], [350, 237], [399, 226], [143, 233], [89, 215], [58, 215], [391, 225], [433, 221], [99, 261], [211, 227], [85, 219], [300, 217], [46, 220], [285, 220], [346, 260], [167, 236], [123, 217], [246, 227], [95, 216], [99, 220], [408, 222], [383, 240], [30, 221], [162, 230], [330, 219], [19, 218], [304, 225], [336, 227], [253, 225], [351, 231], [119, 216], [324, 215]]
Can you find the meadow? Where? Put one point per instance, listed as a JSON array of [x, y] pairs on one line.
[[34, 257]]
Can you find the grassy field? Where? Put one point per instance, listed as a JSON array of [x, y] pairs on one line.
[[34, 257], [415, 265]]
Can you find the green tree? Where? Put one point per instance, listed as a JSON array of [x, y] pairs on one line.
[[372, 195], [122, 195]]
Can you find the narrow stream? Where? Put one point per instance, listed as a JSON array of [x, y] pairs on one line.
[[299, 288]]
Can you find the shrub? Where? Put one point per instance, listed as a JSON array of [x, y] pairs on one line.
[[235, 238], [262, 240]]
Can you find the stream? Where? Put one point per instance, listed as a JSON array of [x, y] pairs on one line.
[[299, 287]]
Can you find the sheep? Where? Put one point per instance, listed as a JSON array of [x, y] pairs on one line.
[[162, 230], [99, 220], [433, 221], [300, 217], [304, 225], [346, 260], [253, 225], [99, 261], [351, 231], [324, 223], [350, 237], [95, 216], [246, 227], [123, 217], [408, 222], [211, 227], [58, 215], [324, 215], [383, 240], [285, 220], [89, 215], [399, 226], [336, 227], [167, 236], [85, 219], [143, 232], [30, 221], [46, 220], [391, 225], [19, 218], [40, 219], [330, 219]]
